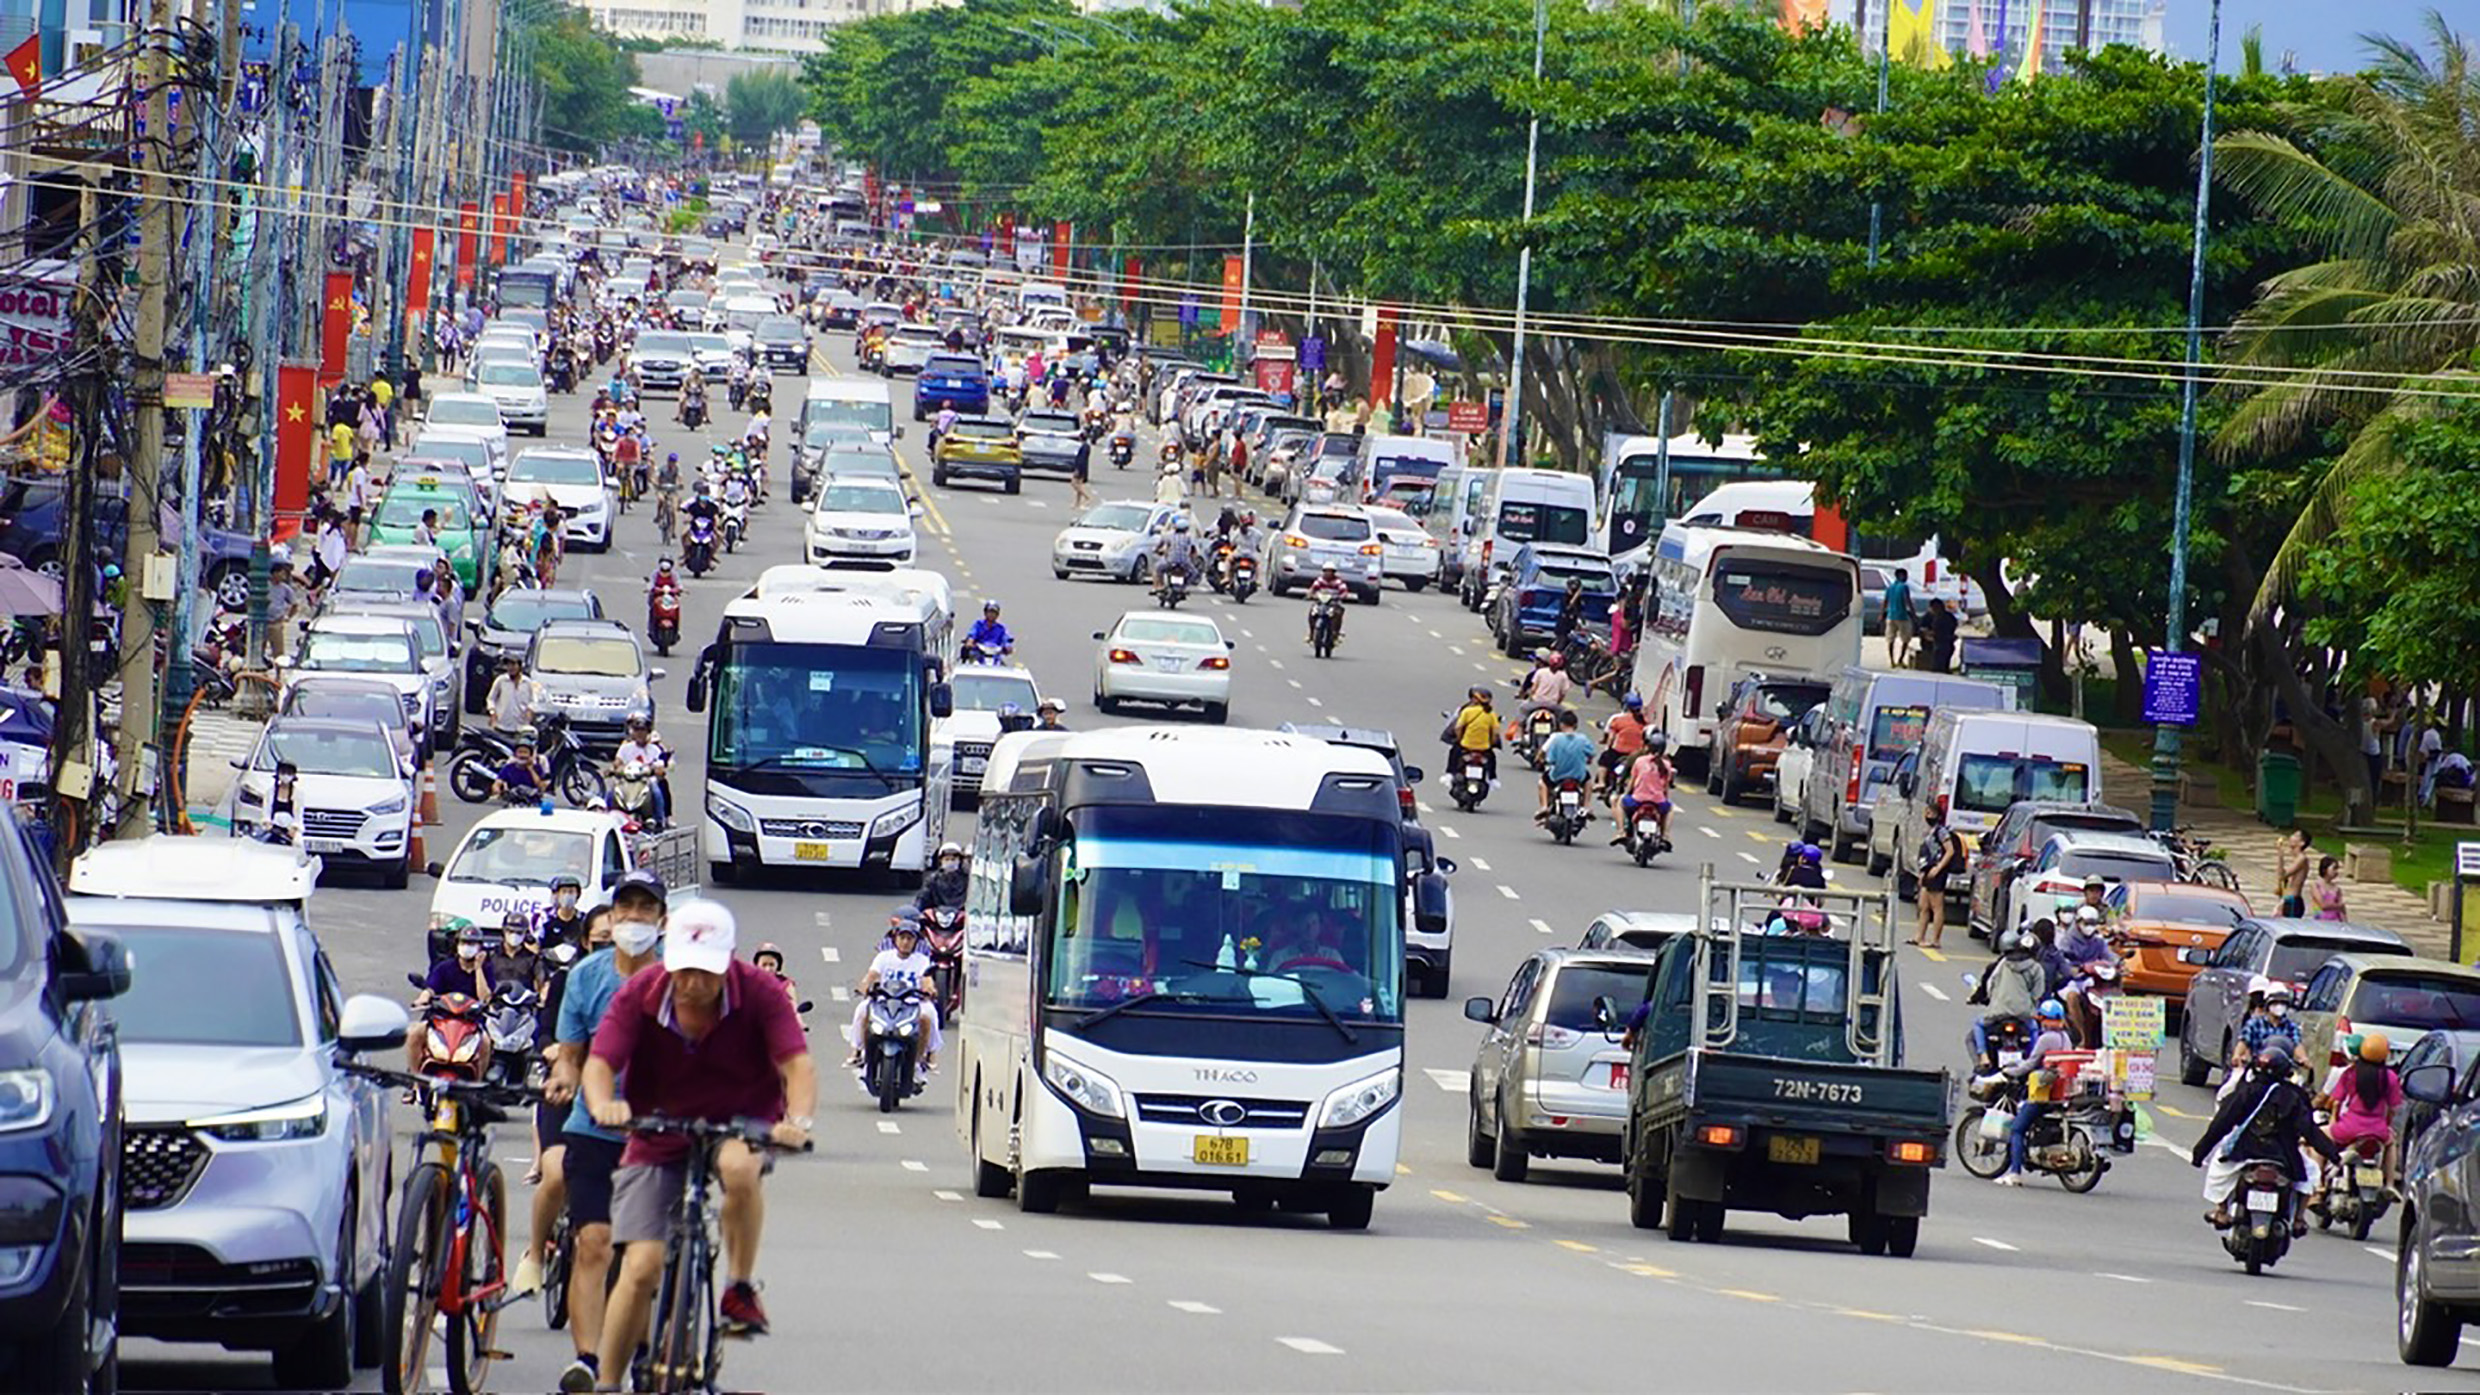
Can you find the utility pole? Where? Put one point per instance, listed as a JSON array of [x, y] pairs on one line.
[[207, 249], [73, 745], [143, 474], [2166, 735], [1511, 417], [1885, 60], [269, 321]]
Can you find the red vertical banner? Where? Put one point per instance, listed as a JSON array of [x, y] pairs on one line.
[[1382, 360], [335, 324], [468, 223], [497, 252], [1007, 236], [297, 437], [1059, 249], [1235, 275], [1128, 282], [418, 283], [516, 198], [1830, 527]]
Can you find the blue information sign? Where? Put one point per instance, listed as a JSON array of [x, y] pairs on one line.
[[1312, 355], [2172, 683]]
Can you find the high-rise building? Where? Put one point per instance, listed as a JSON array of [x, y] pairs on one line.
[[784, 26], [2004, 26]]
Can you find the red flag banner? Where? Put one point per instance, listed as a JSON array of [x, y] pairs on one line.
[[1007, 236], [1128, 282], [1059, 249], [1235, 275], [418, 282], [468, 223], [499, 230], [1382, 360], [26, 63], [335, 324], [516, 199], [297, 438]]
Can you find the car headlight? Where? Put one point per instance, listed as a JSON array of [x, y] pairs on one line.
[[1091, 1090], [1361, 1099], [303, 1118], [642, 700], [249, 797], [393, 806], [893, 822], [730, 815], [25, 1099]]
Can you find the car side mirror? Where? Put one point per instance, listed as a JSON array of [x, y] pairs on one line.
[[1028, 885], [2430, 1084], [1412, 774], [1445, 866], [899, 433], [695, 698], [654, 673], [1098, 634], [1429, 903], [95, 965], [370, 1022], [1480, 1010]]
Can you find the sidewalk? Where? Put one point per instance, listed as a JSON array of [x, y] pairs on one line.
[[216, 740], [2250, 849]]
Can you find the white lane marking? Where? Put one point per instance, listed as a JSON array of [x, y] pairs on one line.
[[2384, 1254], [987, 1223], [1248, 634], [1449, 831], [2275, 1307], [1041, 1254], [1935, 992], [1316, 702], [1274, 663], [1993, 1244], [2122, 1278], [914, 1165], [1508, 891], [1544, 927], [1293, 681], [839, 993], [1456, 649], [1710, 831], [1108, 1278], [1450, 1081], [1310, 1346], [1485, 668], [948, 1196], [889, 1126], [825, 919], [1747, 857], [1191, 1305], [1433, 634], [831, 954], [1478, 864], [1038, 503]]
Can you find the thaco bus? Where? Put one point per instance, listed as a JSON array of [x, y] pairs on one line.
[[818, 738], [1723, 602], [1185, 966]]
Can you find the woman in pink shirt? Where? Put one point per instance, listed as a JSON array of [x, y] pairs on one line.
[[2366, 1092]]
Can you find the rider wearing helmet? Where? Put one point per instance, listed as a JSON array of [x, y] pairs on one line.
[[2264, 1117], [988, 633], [1622, 737], [943, 886], [2040, 1083], [1329, 584], [1176, 551], [2268, 1021], [901, 967], [2009, 988], [2366, 1093], [1547, 686], [564, 918], [1474, 727], [1647, 782], [1048, 713]]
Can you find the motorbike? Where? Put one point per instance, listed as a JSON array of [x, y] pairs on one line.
[[942, 932], [663, 618], [632, 791], [1218, 568], [984, 653], [735, 523], [511, 1019], [563, 374], [761, 397], [1568, 811], [1644, 838], [455, 1042], [2352, 1194], [1325, 625], [1171, 590], [1123, 448], [2064, 1141], [2262, 1216], [888, 1029], [1468, 779], [698, 553], [480, 752], [2008, 1037], [693, 413], [2100, 984], [1538, 729], [1243, 578]]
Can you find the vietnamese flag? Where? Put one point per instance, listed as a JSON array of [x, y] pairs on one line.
[[499, 229], [335, 324], [468, 222], [1128, 282], [1235, 275], [1059, 250], [26, 63], [516, 198], [418, 283], [297, 438], [1382, 360]]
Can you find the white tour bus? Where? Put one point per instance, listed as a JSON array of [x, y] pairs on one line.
[[818, 741], [1185, 965], [1723, 602]]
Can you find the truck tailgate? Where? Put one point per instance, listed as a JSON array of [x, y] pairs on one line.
[[1818, 1096]]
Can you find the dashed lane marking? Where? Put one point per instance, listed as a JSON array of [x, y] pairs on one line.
[[2275, 1307], [1434, 634], [1449, 831], [2174, 1111], [839, 993], [1108, 1278], [915, 1165], [1274, 663], [1544, 927], [987, 1223], [1750, 1294], [825, 919], [1508, 891], [1510, 1223], [1317, 702], [1993, 1244], [1935, 992], [1450, 1080], [1759, 835], [2382, 1253], [1191, 1305], [1478, 864], [1293, 681], [831, 954], [1578, 1246], [1647, 1271], [1310, 1346], [1041, 1254], [948, 1195], [2122, 1278], [1451, 1198], [1748, 857], [1935, 956], [1709, 831], [889, 1126]]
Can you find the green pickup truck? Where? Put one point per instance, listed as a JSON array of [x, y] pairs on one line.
[[1767, 1074]]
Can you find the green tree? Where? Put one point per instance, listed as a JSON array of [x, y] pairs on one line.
[[585, 77], [760, 104], [703, 116], [2395, 576]]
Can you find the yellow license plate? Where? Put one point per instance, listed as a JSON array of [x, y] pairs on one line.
[[812, 852], [1218, 1150], [1782, 1149]]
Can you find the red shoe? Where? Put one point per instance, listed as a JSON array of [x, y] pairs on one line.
[[742, 1315]]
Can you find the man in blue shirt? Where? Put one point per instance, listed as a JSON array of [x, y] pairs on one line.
[[1567, 755], [1900, 625], [588, 1155]]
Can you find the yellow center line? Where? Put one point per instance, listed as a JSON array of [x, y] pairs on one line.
[[1866, 1315], [2174, 1111], [1760, 835], [1509, 1222], [1578, 1246], [1933, 954], [2018, 1338], [1451, 1198], [1649, 1271], [2172, 1363], [1750, 1294]]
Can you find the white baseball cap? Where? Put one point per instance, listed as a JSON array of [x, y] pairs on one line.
[[698, 934]]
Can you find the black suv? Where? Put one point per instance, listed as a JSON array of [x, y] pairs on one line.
[[60, 1136]]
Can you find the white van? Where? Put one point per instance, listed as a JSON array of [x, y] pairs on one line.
[[864, 402], [1457, 497], [1398, 470], [1975, 764], [1036, 295], [1520, 506]]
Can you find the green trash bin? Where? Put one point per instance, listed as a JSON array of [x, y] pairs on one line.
[[2277, 788]]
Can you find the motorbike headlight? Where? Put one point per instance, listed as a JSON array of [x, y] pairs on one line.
[[730, 815], [26, 1098], [393, 806], [1361, 1099], [893, 822], [1089, 1089], [303, 1118]]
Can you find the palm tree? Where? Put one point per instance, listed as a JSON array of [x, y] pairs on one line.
[[2392, 205]]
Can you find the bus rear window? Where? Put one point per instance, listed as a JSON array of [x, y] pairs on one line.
[[1988, 784], [1554, 523], [1780, 598]]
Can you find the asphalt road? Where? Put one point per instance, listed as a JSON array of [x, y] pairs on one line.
[[882, 1271]]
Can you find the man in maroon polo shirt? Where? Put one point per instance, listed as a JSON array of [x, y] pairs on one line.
[[705, 1036]]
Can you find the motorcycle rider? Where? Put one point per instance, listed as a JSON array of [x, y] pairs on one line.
[[511, 700], [2082, 944], [989, 633], [565, 918], [523, 774], [1474, 727], [1049, 715], [2266, 1119], [1622, 737], [1568, 755], [2052, 1037], [692, 401], [2010, 988], [771, 959], [514, 961], [2364, 1093], [1330, 583], [642, 746], [464, 973], [1547, 686], [1175, 552], [702, 505], [1648, 782], [2268, 1021], [901, 967], [943, 886]]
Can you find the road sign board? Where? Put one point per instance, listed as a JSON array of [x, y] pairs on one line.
[[2467, 859], [2172, 685], [1468, 416]]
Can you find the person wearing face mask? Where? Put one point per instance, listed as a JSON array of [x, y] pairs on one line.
[[513, 960], [942, 887], [562, 920], [2273, 1023], [622, 943], [283, 806], [2266, 1119], [462, 974]]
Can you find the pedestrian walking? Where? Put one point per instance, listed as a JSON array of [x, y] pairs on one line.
[[1901, 627], [2290, 872]]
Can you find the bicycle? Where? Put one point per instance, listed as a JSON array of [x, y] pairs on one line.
[[683, 1351], [2195, 859], [449, 1261]]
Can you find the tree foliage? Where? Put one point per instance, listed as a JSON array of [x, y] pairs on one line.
[[760, 104], [585, 77]]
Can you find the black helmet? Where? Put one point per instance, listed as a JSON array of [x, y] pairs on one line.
[[640, 879], [567, 881]]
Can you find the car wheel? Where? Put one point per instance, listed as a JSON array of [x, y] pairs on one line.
[[2192, 1071], [2426, 1332], [57, 1358], [1218, 712], [1733, 787], [231, 585], [1352, 1208], [1479, 1148], [1509, 1159], [322, 1358]]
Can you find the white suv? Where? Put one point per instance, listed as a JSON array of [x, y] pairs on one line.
[[351, 805]]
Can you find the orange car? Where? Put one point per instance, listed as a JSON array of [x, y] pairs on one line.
[[2154, 924]]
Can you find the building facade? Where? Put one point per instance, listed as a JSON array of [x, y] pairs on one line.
[[780, 26]]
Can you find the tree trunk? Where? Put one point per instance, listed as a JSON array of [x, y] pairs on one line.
[[2127, 704], [2332, 742], [2009, 621]]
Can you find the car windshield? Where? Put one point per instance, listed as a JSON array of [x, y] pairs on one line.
[[779, 327], [463, 411], [1048, 423], [2116, 866], [822, 433], [1785, 705], [1522, 521], [343, 652], [526, 611], [870, 416], [471, 455], [320, 700], [509, 375], [854, 496], [207, 988], [364, 753], [661, 342], [1156, 899], [1558, 570], [1895, 730], [1126, 518], [535, 467], [2295, 957], [523, 856], [2401, 998], [1393, 519], [1151, 629], [988, 692], [1573, 992], [951, 367], [706, 343], [428, 628], [405, 510], [2186, 908], [1332, 527], [598, 657], [378, 574], [1989, 784]]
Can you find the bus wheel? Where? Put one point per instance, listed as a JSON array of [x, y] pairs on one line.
[[1352, 1209]]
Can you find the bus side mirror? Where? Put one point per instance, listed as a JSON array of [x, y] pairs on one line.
[[1028, 885], [695, 697], [942, 700], [1906, 784], [1429, 903]]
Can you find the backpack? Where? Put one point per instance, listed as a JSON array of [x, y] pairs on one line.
[[1933, 846]]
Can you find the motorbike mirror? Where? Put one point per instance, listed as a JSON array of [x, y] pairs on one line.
[[804, 1006], [654, 673], [1098, 634], [1231, 644]]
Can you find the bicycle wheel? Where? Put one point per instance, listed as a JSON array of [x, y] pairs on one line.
[[472, 1330], [559, 1257], [683, 1332], [409, 1299], [2215, 872]]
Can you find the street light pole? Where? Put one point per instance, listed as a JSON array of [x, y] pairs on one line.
[[1885, 59], [2166, 735], [1511, 419]]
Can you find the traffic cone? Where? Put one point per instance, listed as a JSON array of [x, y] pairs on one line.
[[425, 815]]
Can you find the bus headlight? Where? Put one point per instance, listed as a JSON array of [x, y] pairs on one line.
[[1360, 1099], [730, 815], [1088, 1089], [893, 822]]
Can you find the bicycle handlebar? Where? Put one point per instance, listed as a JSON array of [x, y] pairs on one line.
[[485, 1091], [755, 1132]]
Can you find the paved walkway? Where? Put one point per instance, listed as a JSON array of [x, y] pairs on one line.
[[216, 740], [2250, 848]]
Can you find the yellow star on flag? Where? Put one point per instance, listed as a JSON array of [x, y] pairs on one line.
[[421, 257], [292, 412]]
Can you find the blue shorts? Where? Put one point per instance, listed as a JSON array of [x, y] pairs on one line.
[[1628, 803]]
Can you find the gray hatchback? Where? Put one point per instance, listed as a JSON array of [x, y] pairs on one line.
[[1547, 1080]]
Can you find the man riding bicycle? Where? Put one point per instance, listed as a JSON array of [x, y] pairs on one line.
[[707, 1037]]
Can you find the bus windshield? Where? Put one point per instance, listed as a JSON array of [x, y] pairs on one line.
[[1212, 911], [839, 720]]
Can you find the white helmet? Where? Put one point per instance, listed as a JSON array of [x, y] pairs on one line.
[[951, 846], [2259, 984]]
